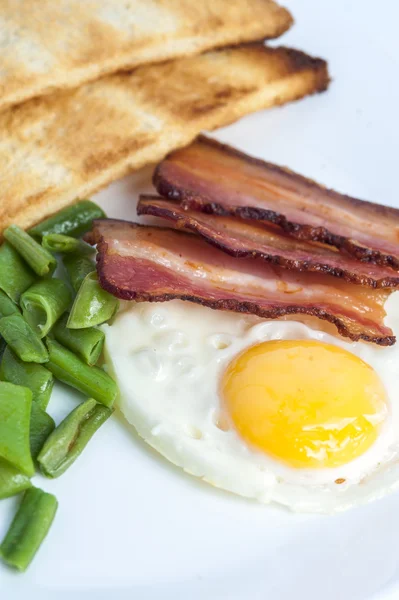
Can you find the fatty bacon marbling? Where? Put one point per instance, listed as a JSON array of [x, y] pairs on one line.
[[145, 263]]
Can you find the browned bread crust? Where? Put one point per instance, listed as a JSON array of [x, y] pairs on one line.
[[58, 148], [54, 44]]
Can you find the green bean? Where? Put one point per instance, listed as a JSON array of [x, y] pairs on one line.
[[31, 375], [69, 369], [65, 244], [29, 528], [15, 409], [44, 302], [21, 338], [12, 481], [74, 220], [41, 426], [70, 438], [92, 305], [77, 267], [15, 275], [86, 343], [38, 258], [7, 306]]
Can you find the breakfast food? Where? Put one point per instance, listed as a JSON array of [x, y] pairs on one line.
[[272, 410], [216, 178], [52, 45], [258, 350], [136, 262], [258, 391], [249, 333], [251, 238], [66, 146]]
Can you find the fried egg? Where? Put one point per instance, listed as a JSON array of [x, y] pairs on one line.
[[271, 410]]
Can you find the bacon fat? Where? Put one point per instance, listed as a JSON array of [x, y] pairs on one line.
[[218, 179], [143, 263], [249, 239]]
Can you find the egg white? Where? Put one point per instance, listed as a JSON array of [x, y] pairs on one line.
[[168, 360]]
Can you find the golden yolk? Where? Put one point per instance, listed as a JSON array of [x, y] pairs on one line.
[[304, 402]]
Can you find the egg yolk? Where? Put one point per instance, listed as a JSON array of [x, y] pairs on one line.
[[306, 403]]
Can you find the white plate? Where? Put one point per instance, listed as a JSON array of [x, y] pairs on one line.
[[130, 525]]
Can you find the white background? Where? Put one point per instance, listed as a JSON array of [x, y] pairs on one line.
[[132, 526]]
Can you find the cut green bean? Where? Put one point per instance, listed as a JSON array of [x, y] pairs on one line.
[[74, 220], [92, 305], [12, 481], [15, 410], [31, 375], [44, 302], [91, 381], [29, 528], [65, 244], [86, 343], [41, 426], [41, 261], [21, 338], [78, 267], [15, 275], [7, 306], [70, 438]]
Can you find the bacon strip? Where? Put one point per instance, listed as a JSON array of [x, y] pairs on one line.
[[142, 263], [246, 239], [216, 178]]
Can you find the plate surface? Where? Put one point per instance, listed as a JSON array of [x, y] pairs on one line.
[[132, 526]]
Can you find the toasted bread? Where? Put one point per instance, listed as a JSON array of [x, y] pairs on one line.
[[58, 148], [48, 45]]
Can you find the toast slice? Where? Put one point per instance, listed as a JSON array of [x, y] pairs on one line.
[[48, 45], [58, 148]]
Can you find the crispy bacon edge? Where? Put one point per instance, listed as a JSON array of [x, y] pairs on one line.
[[95, 237], [347, 268], [167, 187]]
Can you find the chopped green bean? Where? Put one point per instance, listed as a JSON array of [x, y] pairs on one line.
[[29, 528], [15, 275], [41, 261], [21, 338], [77, 267], [91, 381], [74, 220], [31, 375], [7, 306], [68, 440], [41, 426], [12, 481], [44, 302], [92, 305], [87, 343], [65, 244], [15, 409]]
